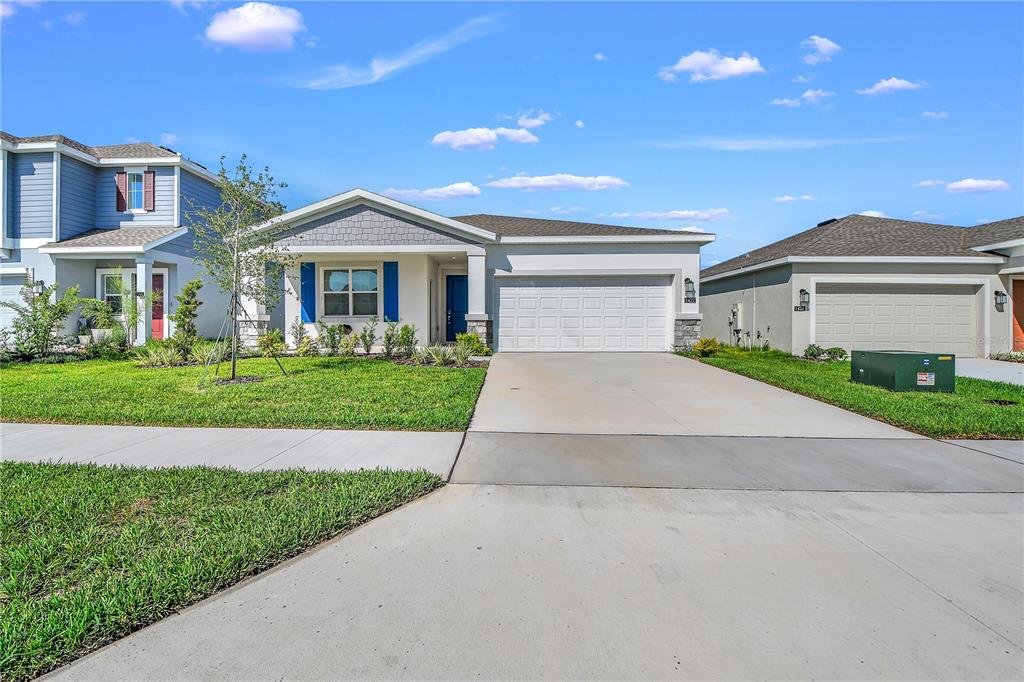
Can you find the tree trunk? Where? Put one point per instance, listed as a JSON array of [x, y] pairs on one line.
[[234, 333]]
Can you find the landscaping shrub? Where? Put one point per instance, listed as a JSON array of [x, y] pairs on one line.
[[706, 348], [389, 342], [440, 354], [835, 354], [331, 336], [308, 347], [1013, 356], [814, 352], [298, 330], [420, 356], [157, 355], [348, 344], [39, 319], [98, 314], [461, 354], [184, 317], [474, 342], [407, 340], [270, 344], [368, 334], [209, 352]]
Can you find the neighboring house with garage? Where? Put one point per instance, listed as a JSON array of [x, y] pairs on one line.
[[81, 215], [522, 284], [865, 282]]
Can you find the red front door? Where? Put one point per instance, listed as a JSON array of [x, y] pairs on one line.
[[1018, 314], [158, 306]]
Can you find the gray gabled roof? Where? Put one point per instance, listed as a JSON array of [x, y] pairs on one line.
[[513, 226], [997, 232], [114, 237], [134, 150], [858, 235]]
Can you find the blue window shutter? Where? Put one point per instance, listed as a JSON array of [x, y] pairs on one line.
[[307, 291], [390, 291]]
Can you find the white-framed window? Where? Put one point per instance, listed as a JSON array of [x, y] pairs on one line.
[[136, 188], [350, 291], [107, 286]]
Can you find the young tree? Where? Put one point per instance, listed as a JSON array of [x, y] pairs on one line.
[[241, 261], [40, 317]]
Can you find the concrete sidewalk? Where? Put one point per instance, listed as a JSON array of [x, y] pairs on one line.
[[993, 370], [245, 449]]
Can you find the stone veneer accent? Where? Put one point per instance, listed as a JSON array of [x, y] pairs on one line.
[[365, 226], [687, 333], [249, 332], [481, 328]]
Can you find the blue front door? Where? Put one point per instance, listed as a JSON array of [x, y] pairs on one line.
[[457, 298]]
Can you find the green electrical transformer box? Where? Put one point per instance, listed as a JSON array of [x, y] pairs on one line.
[[900, 370]]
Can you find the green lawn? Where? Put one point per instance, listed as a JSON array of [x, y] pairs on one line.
[[332, 393], [967, 413], [92, 553]]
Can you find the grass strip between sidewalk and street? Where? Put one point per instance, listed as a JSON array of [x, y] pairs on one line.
[[977, 409], [90, 553]]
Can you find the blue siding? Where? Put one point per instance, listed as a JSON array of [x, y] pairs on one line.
[[390, 291], [307, 291], [196, 193], [163, 200], [77, 197], [31, 195]]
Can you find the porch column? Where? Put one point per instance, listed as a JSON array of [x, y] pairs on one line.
[[143, 289], [477, 320]]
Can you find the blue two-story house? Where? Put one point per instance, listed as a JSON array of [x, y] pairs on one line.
[[84, 216]]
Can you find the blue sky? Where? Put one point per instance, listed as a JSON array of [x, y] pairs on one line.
[[752, 121]]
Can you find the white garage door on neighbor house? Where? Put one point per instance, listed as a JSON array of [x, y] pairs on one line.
[[930, 318], [583, 314]]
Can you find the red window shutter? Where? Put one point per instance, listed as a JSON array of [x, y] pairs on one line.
[[122, 192], [148, 179]]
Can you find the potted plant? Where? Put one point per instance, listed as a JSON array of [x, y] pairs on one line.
[[84, 337], [100, 318]]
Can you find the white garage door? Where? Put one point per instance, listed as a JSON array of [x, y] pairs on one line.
[[930, 318], [583, 314]]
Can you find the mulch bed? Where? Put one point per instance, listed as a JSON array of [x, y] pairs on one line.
[[238, 380]]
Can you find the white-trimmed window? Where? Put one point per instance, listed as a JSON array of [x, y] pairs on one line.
[[108, 290], [136, 191], [350, 291]]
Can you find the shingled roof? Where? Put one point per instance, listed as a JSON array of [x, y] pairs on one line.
[[994, 233], [513, 226], [111, 237], [858, 235], [134, 150]]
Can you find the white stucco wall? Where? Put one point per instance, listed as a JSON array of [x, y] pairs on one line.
[[767, 300]]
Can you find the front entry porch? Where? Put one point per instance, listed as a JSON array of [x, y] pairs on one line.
[[442, 293]]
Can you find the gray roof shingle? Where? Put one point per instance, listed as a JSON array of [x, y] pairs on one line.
[[858, 235], [994, 233], [134, 150], [121, 236], [513, 226]]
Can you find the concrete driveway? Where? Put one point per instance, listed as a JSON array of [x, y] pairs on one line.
[[652, 394], [993, 370]]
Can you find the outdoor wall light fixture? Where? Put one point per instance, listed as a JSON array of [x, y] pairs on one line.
[[689, 291], [1000, 298], [805, 297]]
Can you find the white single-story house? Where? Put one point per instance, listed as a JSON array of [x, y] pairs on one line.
[[522, 284], [865, 282]]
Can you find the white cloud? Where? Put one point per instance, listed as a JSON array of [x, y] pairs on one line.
[[531, 120], [132, 140], [711, 66], [786, 198], [972, 185], [180, 5], [887, 85], [74, 18], [257, 27], [482, 138], [8, 8], [454, 190], [565, 210], [805, 78], [935, 115], [874, 214], [927, 216], [600, 57], [580, 124], [929, 183], [382, 68], [809, 96], [822, 50], [559, 181], [748, 144], [168, 139], [685, 214]]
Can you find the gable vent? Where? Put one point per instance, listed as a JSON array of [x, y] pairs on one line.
[[826, 222]]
